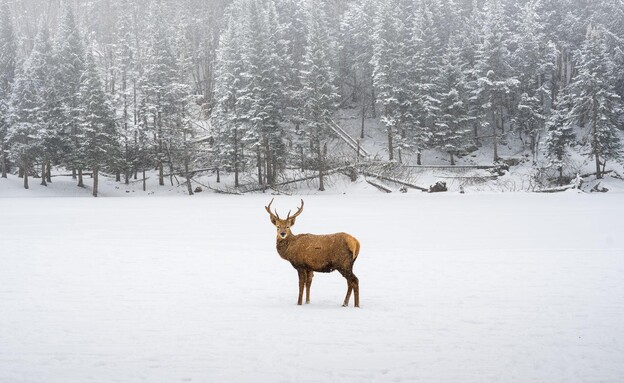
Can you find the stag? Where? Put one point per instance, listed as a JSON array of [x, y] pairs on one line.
[[308, 253]]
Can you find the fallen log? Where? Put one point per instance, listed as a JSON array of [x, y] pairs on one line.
[[396, 181], [379, 186]]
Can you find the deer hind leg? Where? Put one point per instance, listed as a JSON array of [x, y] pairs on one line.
[[356, 290], [349, 288], [308, 283], [302, 280], [353, 285]]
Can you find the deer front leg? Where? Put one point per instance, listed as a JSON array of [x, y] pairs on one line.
[[302, 280], [308, 283]]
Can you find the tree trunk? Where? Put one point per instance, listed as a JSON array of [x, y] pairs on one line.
[[373, 98], [236, 184], [43, 174], [95, 181], [452, 158], [594, 123], [390, 146], [363, 117], [321, 163], [144, 181], [25, 168], [3, 161], [188, 176], [80, 182], [495, 136], [49, 172], [218, 175], [259, 166]]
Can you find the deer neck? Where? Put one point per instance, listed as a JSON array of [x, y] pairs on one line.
[[283, 244]]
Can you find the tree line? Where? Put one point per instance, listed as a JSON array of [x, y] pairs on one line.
[[247, 86]]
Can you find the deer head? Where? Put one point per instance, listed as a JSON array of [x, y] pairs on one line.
[[283, 225]]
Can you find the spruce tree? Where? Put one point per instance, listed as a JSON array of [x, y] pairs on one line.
[[391, 65], [99, 136], [560, 136], [166, 93], [69, 52], [25, 119], [7, 74], [226, 121], [494, 81], [318, 92], [451, 130], [595, 106]]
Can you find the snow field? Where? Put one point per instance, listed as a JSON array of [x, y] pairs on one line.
[[454, 288]]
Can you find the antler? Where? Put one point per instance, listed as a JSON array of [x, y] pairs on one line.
[[299, 210], [268, 209]]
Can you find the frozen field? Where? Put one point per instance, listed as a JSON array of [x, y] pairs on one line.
[[454, 288]]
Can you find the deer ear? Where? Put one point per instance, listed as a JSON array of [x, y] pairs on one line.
[[273, 221], [291, 222]]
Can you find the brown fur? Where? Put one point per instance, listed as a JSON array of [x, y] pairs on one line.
[[308, 253]]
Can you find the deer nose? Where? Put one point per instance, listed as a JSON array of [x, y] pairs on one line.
[[283, 234]]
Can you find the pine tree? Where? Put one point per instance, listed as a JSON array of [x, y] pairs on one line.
[[451, 131], [494, 76], [166, 93], [69, 52], [98, 131], [533, 59], [391, 68], [7, 74], [560, 135], [357, 42], [262, 99], [25, 118], [226, 121], [595, 104], [42, 66], [125, 68], [319, 94]]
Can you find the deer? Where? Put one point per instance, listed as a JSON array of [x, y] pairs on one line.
[[309, 253]]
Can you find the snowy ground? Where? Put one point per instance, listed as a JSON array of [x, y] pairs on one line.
[[511, 287]]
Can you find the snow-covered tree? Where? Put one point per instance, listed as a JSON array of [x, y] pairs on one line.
[[42, 66], [99, 147], [69, 55], [392, 64], [25, 117], [319, 92], [166, 92], [452, 129], [560, 136], [494, 82], [8, 59], [226, 122], [595, 105]]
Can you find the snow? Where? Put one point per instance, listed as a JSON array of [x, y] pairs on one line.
[[490, 287]]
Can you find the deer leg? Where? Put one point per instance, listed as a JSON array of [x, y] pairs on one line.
[[309, 276], [302, 280], [356, 290], [349, 288], [348, 276]]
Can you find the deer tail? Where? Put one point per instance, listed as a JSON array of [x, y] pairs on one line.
[[354, 247]]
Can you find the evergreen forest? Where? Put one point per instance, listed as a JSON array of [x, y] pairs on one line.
[[249, 89]]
